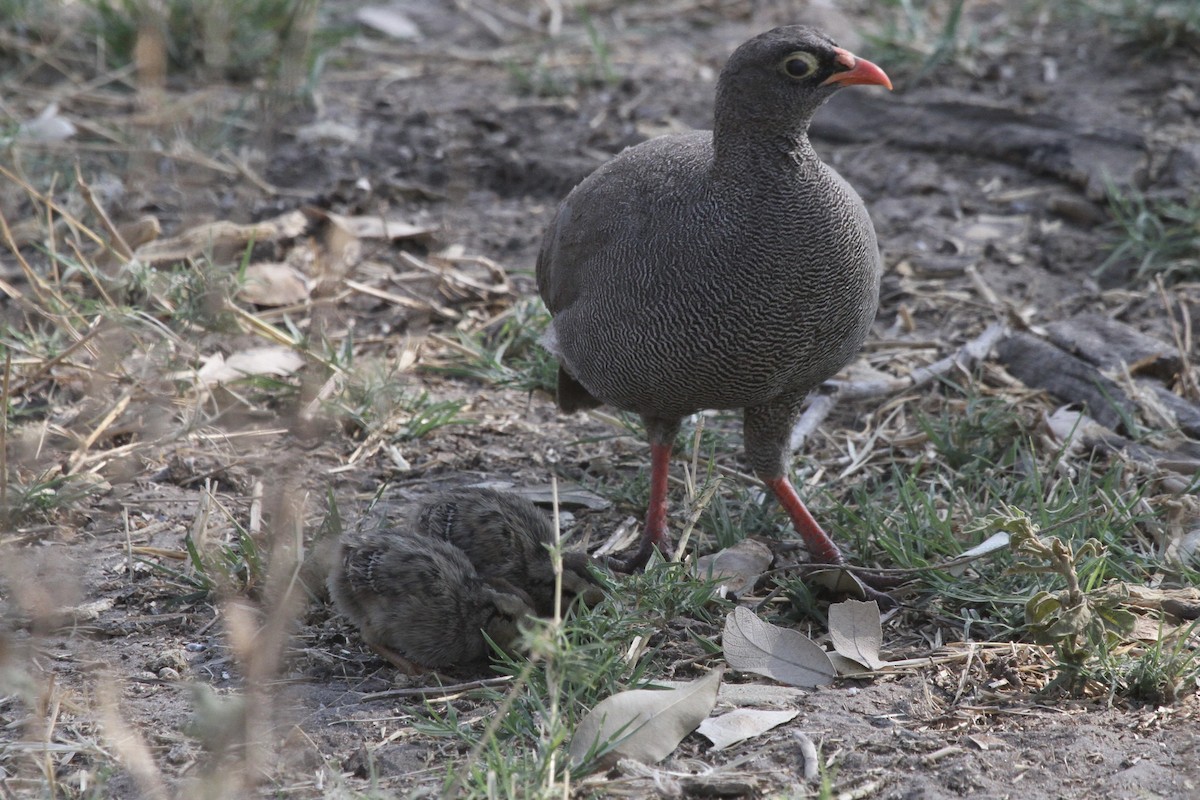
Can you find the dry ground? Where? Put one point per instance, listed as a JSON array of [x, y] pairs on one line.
[[984, 181]]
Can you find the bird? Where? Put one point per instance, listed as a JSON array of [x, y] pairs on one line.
[[419, 602], [507, 539], [722, 269]]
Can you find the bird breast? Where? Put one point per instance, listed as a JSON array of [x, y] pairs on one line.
[[709, 292]]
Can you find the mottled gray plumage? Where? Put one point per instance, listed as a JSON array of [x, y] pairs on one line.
[[506, 537], [723, 269], [419, 597]]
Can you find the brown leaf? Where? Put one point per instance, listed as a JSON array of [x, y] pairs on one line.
[[375, 227], [273, 285], [255, 361], [741, 724], [788, 656], [737, 568], [220, 236], [856, 632], [644, 724]]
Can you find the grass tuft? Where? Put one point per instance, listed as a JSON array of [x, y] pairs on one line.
[[1152, 236]]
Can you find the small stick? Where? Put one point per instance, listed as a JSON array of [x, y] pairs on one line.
[[4, 441], [808, 756], [118, 408], [435, 691]]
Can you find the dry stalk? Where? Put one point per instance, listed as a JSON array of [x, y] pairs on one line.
[[4, 395], [76, 459], [129, 744]]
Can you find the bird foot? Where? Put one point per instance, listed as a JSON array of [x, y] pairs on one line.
[[398, 661], [639, 559], [838, 579]]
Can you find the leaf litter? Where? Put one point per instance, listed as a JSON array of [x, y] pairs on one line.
[[456, 287]]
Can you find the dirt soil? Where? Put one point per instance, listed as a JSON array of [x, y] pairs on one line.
[[439, 130]]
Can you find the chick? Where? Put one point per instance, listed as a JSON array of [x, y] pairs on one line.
[[420, 603], [506, 538]]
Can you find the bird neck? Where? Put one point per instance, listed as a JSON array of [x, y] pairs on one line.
[[740, 151]]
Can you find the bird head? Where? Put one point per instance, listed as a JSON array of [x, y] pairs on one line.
[[776, 81], [507, 622]]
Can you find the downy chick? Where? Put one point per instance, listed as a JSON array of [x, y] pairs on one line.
[[420, 603], [506, 537]]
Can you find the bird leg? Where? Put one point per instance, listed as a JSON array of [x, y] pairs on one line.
[[396, 660], [820, 546], [816, 540], [654, 536]]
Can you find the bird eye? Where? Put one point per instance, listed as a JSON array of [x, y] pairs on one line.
[[799, 65]]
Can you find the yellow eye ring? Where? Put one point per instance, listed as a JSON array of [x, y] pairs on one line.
[[798, 65]]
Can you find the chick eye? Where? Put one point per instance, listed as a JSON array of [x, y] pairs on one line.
[[799, 65]]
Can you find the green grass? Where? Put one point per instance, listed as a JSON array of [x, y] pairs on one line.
[[914, 37], [536, 75], [507, 352], [574, 666], [931, 508], [1156, 29], [240, 42], [1152, 236]]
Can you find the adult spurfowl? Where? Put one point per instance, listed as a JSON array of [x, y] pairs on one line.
[[722, 269]]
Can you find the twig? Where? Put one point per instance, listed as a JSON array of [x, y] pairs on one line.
[[4, 440], [965, 357], [438, 692], [80, 452], [694, 517], [1187, 377], [818, 409]]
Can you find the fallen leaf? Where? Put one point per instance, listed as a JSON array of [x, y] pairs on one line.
[[47, 126], [389, 21], [622, 536], [986, 742], [837, 581], [747, 694], [277, 361], [644, 724], [847, 667], [737, 568], [221, 235], [741, 724], [375, 227], [958, 565], [1073, 429], [856, 632], [788, 656], [273, 285]]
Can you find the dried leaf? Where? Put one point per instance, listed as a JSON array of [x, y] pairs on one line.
[[375, 227], [389, 21], [273, 285], [748, 694], [847, 667], [644, 724], [788, 656], [997, 541], [837, 582], [255, 361], [737, 568], [1074, 429], [220, 235], [47, 126], [856, 632], [742, 724]]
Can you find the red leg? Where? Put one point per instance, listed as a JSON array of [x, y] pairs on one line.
[[654, 536], [820, 546]]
